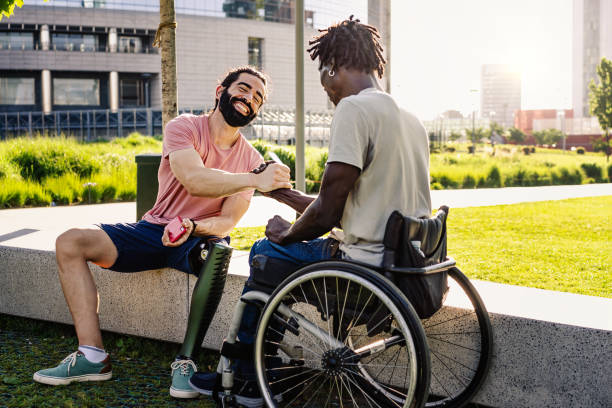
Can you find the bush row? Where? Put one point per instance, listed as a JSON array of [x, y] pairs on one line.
[[38, 172]]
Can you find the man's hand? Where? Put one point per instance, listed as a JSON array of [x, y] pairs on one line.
[[189, 226], [277, 229], [276, 175]]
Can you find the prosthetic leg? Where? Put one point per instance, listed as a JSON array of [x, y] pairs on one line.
[[206, 294]]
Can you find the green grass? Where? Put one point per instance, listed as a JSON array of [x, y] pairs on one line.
[[555, 245], [45, 171], [141, 369]]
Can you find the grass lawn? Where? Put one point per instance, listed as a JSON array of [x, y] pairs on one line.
[[141, 369], [557, 245]]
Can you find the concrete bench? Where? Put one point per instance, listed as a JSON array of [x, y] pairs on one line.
[[551, 349]]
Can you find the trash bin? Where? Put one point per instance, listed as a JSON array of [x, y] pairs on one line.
[[147, 166]]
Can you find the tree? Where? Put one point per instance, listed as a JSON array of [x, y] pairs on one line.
[[454, 136], [476, 135], [548, 136], [165, 39], [516, 135], [7, 7], [600, 101]]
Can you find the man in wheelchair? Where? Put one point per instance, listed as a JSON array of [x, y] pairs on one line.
[[378, 163]]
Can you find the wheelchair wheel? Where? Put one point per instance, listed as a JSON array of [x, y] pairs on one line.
[[336, 334], [460, 342]]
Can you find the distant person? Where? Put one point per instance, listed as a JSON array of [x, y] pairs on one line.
[[204, 177], [378, 162]]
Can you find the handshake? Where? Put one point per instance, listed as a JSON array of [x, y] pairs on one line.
[[272, 175]]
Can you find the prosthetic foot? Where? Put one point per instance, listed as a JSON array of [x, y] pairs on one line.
[[206, 293]]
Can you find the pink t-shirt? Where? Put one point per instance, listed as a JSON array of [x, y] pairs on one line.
[[186, 132]]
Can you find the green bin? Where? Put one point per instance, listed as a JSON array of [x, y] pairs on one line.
[[147, 166]]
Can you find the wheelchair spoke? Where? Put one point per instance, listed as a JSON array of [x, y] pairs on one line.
[[306, 331], [455, 344], [290, 403], [449, 320], [433, 374], [452, 372], [367, 396], [327, 316], [291, 376], [437, 353], [311, 397]]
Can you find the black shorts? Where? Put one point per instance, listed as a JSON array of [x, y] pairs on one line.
[[139, 248]]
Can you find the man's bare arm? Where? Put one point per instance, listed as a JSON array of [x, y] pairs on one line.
[[293, 198], [324, 213], [200, 181], [233, 209]]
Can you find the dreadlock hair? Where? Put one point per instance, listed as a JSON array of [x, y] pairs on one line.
[[349, 44], [233, 74]]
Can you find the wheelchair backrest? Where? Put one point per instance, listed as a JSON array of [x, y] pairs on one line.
[[417, 242]]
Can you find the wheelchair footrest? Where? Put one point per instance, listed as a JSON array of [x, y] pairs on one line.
[[237, 350]]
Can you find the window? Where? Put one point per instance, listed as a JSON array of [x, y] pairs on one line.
[[16, 41], [132, 92], [17, 91], [74, 42], [130, 44], [256, 52], [76, 91]]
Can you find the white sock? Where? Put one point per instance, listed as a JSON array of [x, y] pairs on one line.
[[93, 354]]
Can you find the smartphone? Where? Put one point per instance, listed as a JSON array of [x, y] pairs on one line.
[[176, 229]]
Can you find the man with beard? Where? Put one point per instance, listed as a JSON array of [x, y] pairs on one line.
[[204, 177]]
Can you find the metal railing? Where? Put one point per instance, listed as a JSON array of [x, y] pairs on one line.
[[272, 124]]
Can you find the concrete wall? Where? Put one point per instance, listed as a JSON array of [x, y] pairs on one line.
[[551, 349]]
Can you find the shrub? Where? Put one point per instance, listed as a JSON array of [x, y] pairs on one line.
[[52, 159], [592, 170], [580, 150], [526, 150], [566, 177], [533, 150], [287, 157], [610, 173], [494, 177], [436, 186], [450, 149], [468, 181], [19, 193], [261, 146]]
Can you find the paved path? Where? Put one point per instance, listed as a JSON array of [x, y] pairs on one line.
[[37, 228]]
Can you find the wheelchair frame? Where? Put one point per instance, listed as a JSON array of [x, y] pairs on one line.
[[418, 341]]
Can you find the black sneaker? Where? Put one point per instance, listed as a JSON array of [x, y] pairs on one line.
[[245, 391]]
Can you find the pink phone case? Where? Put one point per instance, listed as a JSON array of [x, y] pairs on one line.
[[176, 229]]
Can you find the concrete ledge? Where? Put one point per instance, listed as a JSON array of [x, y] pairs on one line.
[[551, 349]]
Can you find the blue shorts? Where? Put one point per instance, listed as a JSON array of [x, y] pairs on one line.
[[139, 248]]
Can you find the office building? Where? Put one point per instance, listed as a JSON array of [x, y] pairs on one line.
[[500, 95], [592, 40]]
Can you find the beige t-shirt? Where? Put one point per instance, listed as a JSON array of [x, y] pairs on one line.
[[370, 131]]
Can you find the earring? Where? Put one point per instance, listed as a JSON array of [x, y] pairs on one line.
[[331, 72]]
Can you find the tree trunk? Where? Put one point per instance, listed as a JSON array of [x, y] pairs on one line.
[[168, 60]]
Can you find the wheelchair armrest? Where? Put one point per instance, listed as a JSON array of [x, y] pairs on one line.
[[427, 270]]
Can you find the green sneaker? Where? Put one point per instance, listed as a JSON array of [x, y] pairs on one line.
[[182, 370], [73, 368]]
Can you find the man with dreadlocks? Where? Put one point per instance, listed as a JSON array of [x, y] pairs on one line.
[[378, 162]]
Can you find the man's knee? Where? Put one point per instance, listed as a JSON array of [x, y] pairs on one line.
[[70, 244]]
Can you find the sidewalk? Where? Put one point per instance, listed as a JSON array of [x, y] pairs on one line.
[[37, 228]]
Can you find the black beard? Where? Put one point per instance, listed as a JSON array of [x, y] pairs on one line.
[[230, 114]]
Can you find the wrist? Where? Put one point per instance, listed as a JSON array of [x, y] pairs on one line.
[[252, 179], [193, 228]]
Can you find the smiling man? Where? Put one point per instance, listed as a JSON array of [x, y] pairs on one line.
[[204, 177]]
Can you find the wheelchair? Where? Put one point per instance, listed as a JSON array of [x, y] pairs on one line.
[[411, 333]]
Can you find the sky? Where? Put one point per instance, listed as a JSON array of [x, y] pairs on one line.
[[439, 46]]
